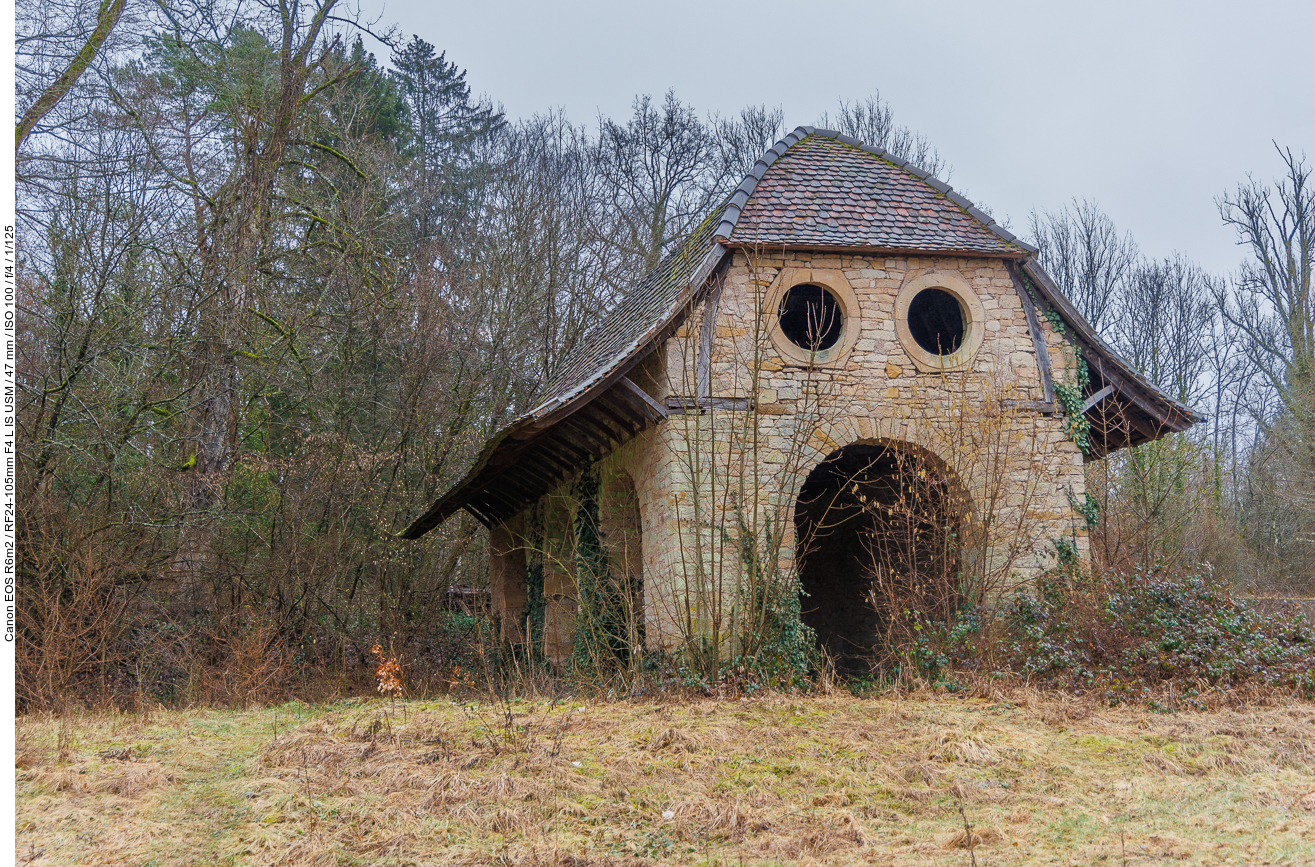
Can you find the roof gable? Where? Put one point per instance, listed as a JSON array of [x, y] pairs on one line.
[[818, 188]]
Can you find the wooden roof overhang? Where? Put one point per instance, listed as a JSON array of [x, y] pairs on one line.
[[531, 457], [1123, 409]]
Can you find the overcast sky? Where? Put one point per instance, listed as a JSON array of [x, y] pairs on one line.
[[1152, 109]]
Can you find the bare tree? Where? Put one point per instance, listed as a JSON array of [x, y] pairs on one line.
[[64, 36], [1272, 305], [654, 169], [1085, 254], [1165, 316], [872, 121], [742, 140]]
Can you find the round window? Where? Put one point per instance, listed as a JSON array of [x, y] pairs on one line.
[[811, 317], [936, 321]]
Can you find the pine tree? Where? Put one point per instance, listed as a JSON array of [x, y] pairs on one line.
[[446, 127]]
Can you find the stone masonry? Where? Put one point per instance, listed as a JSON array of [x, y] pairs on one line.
[[684, 492]]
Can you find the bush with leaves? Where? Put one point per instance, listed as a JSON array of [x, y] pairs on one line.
[[1122, 633]]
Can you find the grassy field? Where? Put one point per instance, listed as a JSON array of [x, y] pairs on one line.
[[776, 780]]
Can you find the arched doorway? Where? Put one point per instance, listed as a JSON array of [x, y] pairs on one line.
[[623, 538], [878, 530]]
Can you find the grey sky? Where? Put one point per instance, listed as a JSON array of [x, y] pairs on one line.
[[1153, 109]]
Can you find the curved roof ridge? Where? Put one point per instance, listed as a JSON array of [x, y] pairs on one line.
[[734, 207]]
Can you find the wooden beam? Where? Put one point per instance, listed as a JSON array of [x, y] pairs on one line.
[[511, 486], [574, 430], [548, 456], [1046, 407], [1097, 397], [636, 405], [660, 412], [1133, 392], [566, 440], [690, 405], [594, 415], [564, 454], [540, 475], [1038, 339], [632, 424], [479, 515], [1130, 422], [494, 507]]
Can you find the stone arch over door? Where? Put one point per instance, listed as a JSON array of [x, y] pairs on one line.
[[878, 527], [623, 539]]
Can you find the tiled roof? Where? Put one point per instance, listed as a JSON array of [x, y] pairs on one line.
[[818, 188], [813, 189]]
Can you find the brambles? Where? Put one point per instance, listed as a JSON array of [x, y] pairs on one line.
[[1124, 634]]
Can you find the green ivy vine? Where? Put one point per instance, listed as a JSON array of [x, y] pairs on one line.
[[601, 636], [784, 641], [1076, 426], [534, 599], [1088, 508]]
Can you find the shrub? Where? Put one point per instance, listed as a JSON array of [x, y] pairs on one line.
[[1126, 632]]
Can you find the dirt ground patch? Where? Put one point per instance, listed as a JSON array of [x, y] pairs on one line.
[[776, 780]]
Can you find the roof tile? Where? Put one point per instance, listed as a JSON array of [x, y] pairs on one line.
[[824, 192]]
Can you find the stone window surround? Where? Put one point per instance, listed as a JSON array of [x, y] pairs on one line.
[[974, 315], [835, 282]]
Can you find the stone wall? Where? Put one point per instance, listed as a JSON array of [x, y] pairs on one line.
[[700, 480]]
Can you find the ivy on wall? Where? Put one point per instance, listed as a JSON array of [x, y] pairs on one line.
[[534, 569], [784, 640], [1076, 426], [1088, 508], [601, 636]]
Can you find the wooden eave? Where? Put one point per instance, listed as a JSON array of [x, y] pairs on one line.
[[1136, 412], [534, 455]]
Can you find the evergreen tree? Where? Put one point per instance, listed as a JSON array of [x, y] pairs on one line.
[[447, 127]]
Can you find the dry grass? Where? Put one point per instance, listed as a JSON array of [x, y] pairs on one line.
[[767, 781]]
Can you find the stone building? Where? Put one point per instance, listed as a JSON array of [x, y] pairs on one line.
[[847, 375]]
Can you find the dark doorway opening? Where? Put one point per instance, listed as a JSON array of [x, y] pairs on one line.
[[878, 529]]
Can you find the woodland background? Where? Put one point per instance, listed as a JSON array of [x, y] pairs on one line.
[[275, 293]]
